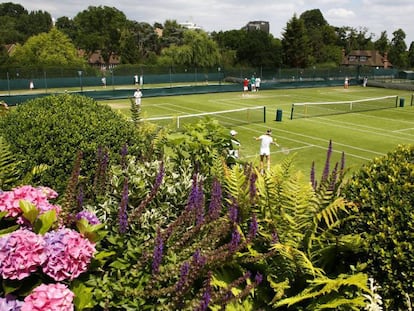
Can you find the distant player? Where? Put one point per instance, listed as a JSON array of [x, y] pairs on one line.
[[138, 95]]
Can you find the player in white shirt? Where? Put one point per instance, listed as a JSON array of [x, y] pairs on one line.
[[266, 141]]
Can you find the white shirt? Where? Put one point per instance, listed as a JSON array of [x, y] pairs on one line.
[[138, 95], [266, 140]]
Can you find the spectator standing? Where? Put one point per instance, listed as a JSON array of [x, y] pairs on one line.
[[253, 84], [258, 84], [245, 86]]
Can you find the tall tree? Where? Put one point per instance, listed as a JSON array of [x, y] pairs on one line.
[[350, 38], [398, 49], [411, 55], [322, 38], [139, 42], [382, 44], [17, 24], [100, 29], [10, 16], [36, 22], [67, 26], [47, 49], [198, 50], [172, 33], [295, 43]]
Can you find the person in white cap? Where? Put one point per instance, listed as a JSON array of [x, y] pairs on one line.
[[234, 149], [266, 141]]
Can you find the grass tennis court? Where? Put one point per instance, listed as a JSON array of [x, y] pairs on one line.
[[362, 136]]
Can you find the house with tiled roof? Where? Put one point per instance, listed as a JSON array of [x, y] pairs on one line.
[[370, 58], [96, 59]]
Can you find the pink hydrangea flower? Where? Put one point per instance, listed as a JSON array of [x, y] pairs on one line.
[[9, 200], [21, 253], [51, 297], [68, 254]]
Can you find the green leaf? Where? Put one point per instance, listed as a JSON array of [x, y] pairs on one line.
[[45, 222], [83, 295], [91, 232], [8, 230], [30, 211]]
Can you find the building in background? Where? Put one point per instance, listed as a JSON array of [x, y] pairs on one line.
[[190, 25], [257, 25], [369, 58]]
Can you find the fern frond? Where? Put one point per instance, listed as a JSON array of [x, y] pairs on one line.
[[297, 258], [9, 167], [34, 173], [324, 293], [236, 185], [330, 213]]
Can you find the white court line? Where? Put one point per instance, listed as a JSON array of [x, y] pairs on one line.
[[304, 142], [403, 130], [314, 138], [373, 130]]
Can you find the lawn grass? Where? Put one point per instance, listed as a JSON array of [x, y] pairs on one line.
[[362, 136]]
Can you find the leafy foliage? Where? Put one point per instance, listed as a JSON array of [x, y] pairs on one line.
[[383, 191], [179, 236], [300, 223], [8, 167], [53, 48], [11, 172], [197, 146], [51, 130]]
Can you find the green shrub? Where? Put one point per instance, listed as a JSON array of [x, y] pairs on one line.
[[383, 190], [51, 130]]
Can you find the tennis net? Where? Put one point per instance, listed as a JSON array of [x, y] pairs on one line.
[[227, 118], [306, 110]]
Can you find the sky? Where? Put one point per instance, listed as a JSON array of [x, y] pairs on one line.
[[375, 16]]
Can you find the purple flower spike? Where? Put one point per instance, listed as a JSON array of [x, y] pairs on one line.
[[258, 278], [253, 227], [235, 240], [327, 162], [122, 214], [158, 251], [184, 272], [234, 212], [215, 203]]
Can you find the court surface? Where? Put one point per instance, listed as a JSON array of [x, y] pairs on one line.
[[361, 136]]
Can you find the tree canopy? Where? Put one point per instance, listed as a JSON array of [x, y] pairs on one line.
[[47, 49], [307, 39]]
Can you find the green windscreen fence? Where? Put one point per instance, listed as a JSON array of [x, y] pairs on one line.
[[120, 82]]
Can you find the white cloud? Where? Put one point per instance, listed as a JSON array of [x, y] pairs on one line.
[[340, 13]]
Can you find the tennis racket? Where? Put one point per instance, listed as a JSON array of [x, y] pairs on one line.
[[285, 150]]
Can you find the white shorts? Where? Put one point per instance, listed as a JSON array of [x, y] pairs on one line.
[[245, 88], [265, 151]]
